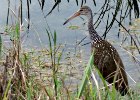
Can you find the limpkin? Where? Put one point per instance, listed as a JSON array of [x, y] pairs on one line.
[[106, 57]]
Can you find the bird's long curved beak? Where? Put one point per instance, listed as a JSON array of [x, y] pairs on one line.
[[73, 16]]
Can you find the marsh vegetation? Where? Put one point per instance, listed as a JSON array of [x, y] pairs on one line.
[[59, 70]]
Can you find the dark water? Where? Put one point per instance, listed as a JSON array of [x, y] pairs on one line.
[[37, 37]]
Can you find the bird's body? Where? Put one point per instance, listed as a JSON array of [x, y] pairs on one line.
[[106, 57]]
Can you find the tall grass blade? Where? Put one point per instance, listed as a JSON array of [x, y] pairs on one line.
[[94, 2], [50, 43], [104, 82], [17, 33], [28, 13], [87, 73], [7, 89], [0, 45], [55, 38], [29, 93], [136, 8], [8, 11], [77, 2], [59, 57], [54, 6], [96, 83]]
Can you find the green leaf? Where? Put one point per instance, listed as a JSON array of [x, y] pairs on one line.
[[73, 27], [87, 74]]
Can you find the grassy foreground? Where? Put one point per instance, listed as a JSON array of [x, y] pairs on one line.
[[46, 75]]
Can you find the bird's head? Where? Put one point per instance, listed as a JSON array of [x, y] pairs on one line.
[[84, 10]]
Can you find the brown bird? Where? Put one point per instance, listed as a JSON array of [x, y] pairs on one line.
[[106, 57]]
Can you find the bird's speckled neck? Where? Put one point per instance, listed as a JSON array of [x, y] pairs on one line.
[[93, 34]]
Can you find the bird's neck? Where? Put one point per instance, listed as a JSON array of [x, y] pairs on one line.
[[94, 37]]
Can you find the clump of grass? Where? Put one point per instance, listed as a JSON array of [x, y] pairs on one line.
[[94, 92], [90, 92]]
